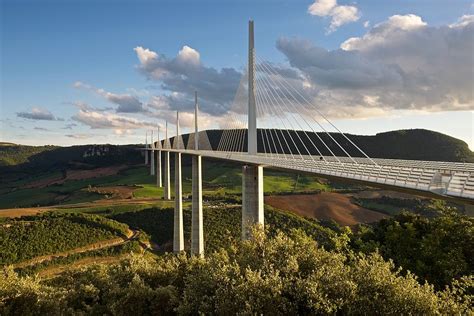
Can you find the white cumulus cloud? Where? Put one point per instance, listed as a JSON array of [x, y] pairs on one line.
[[104, 120], [339, 14], [180, 76], [127, 103], [39, 114]]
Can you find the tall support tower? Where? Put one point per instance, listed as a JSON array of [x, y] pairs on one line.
[[178, 232], [152, 155], [146, 147], [197, 229], [252, 175], [159, 179], [167, 189], [252, 112], [196, 135]]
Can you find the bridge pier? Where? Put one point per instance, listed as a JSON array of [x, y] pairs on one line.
[[159, 180], [146, 148], [167, 188], [197, 223], [252, 198], [152, 162], [178, 232], [152, 156]]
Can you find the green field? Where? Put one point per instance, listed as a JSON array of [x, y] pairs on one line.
[[218, 177]]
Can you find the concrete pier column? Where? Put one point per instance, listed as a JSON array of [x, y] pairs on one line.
[[159, 180], [152, 162], [178, 232], [197, 229], [146, 148], [152, 156], [252, 198], [167, 188]]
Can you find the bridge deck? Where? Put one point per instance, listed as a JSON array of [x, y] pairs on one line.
[[450, 179]]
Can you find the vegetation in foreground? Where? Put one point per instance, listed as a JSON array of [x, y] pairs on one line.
[[51, 233], [280, 275], [438, 250]]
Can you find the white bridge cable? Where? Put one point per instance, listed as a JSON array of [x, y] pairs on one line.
[[297, 122], [223, 142], [267, 98], [328, 133], [317, 110], [260, 114], [280, 115], [231, 137], [224, 135], [262, 103], [322, 127], [309, 125], [228, 133], [261, 98], [268, 88]]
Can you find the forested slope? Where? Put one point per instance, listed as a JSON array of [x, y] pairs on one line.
[[418, 144]]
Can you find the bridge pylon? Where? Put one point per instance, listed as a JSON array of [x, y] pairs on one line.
[[159, 180], [252, 176], [146, 147], [152, 156], [197, 223], [167, 188], [178, 232]]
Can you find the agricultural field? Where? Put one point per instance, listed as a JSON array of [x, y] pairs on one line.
[[134, 182]]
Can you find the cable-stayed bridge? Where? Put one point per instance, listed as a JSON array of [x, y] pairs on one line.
[[272, 123]]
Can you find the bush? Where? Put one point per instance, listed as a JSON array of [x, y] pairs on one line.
[[280, 275]]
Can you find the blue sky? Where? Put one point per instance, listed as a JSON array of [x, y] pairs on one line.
[[48, 47]]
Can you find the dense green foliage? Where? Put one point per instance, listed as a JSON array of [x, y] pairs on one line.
[[221, 222], [47, 157], [50, 234], [282, 275], [125, 248], [12, 154], [438, 249], [394, 206]]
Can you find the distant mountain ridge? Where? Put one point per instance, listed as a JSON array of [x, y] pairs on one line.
[[416, 144], [15, 157]]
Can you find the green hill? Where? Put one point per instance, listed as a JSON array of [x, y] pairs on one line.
[[47, 156], [416, 144]]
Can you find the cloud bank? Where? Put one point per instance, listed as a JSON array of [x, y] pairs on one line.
[[105, 120], [180, 76], [126, 103], [399, 64], [38, 114]]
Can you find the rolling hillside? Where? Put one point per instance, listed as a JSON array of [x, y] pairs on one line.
[[20, 160], [417, 144]]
